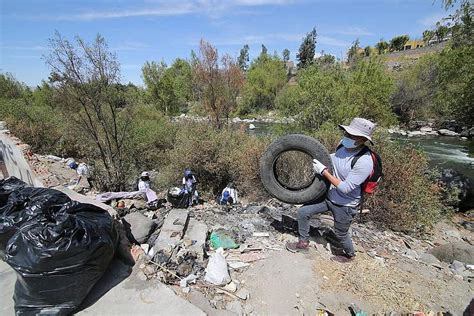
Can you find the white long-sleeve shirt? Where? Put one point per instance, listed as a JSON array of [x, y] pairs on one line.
[[232, 193], [348, 192]]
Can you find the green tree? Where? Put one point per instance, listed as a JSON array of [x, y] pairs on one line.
[[335, 95], [353, 52], [159, 86], [367, 51], [87, 77], [265, 78], [428, 36], [441, 32], [264, 51], [244, 58], [307, 49], [286, 55], [398, 42], [325, 60], [11, 88], [381, 46]]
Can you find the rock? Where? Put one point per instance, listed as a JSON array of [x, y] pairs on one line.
[[453, 234], [416, 133], [195, 236], [243, 293], [460, 251], [139, 226], [236, 120], [454, 182], [410, 254], [457, 266], [447, 132], [235, 307], [251, 126], [428, 258], [231, 287], [426, 129]]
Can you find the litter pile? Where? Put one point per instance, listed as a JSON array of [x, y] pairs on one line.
[[58, 247]]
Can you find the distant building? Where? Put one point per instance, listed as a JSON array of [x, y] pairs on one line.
[[413, 43]]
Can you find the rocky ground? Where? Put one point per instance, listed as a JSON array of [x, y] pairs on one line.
[[393, 273]]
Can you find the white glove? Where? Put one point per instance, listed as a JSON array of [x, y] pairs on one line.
[[318, 166]]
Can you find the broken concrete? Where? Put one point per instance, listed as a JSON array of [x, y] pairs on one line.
[[13, 162], [139, 226], [195, 237], [172, 230]]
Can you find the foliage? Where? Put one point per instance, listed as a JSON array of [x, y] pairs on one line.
[[265, 78], [307, 49], [216, 156], [218, 84], [325, 60], [87, 78], [428, 36], [440, 32], [244, 58], [407, 199], [398, 42], [10, 87], [367, 51], [381, 46], [170, 88], [353, 52], [455, 96], [286, 55], [335, 95], [415, 91]]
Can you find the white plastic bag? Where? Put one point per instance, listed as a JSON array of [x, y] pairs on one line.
[[216, 271]]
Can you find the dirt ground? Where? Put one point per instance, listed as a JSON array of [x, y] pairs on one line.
[[295, 284]]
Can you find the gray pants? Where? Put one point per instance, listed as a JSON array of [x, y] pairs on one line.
[[343, 216]]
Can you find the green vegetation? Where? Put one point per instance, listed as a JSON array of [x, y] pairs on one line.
[[332, 94]]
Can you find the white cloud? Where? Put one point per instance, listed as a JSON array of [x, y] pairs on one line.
[[14, 47], [430, 21], [331, 41], [166, 8], [354, 30]]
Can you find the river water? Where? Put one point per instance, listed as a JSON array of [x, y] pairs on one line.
[[443, 152]]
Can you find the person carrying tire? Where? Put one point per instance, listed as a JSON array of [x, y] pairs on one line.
[[344, 196]]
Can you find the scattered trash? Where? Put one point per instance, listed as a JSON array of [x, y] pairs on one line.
[[220, 239], [231, 287], [216, 271], [261, 234], [188, 280]]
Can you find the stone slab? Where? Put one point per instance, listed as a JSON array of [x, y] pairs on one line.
[[172, 230], [196, 234]]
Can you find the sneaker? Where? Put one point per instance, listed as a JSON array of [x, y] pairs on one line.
[[299, 246], [342, 259]]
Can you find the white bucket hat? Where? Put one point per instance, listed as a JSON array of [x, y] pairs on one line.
[[145, 174], [360, 127]]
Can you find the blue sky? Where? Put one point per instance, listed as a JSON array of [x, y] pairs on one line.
[[158, 30]]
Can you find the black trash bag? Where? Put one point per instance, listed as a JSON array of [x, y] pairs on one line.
[[23, 204], [7, 186], [59, 256], [178, 198]]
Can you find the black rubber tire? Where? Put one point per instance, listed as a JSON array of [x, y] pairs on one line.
[[293, 142]]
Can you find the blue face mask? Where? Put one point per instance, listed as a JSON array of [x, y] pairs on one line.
[[348, 143]]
